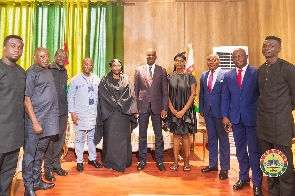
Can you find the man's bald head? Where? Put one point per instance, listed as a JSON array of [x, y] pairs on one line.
[[41, 57]]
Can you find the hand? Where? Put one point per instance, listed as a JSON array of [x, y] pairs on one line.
[[37, 128], [75, 118], [163, 114], [226, 124], [180, 114], [136, 116]]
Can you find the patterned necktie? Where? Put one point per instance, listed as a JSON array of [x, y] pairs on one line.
[[150, 76], [240, 78], [210, 81]]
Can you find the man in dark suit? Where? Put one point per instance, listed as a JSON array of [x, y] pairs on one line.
[[12, 93], [210, 108], [151, 92], [238, 108]]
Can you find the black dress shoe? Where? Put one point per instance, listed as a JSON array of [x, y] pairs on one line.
[[43, 185], [95, 164], [80, 167], [223, 174], [161, 166], [60, 171], [240, 184], [209, 169], [49, 176], [140, 166], [257, 191], [30, 193]]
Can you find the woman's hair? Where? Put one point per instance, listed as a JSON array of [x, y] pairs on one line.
[[181, 55], [116, 60]]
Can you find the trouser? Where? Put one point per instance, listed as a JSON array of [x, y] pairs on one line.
[[248, 152], [34, 150], [8, 163], [54, 150], [79, 145], [157, 126], [217, 135]]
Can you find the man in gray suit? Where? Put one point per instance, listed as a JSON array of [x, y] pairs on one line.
[[151, 92]]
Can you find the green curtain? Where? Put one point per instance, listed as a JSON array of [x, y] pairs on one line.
[[93, 29], [114, 32], [96, 38], [49, 27]]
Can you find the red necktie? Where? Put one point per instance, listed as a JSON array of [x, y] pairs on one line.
[[240, 78], [210, 81]]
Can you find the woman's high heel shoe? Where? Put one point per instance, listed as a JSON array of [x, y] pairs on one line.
[[174, 167]]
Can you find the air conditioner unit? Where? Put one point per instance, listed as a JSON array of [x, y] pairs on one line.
[[225, 55]]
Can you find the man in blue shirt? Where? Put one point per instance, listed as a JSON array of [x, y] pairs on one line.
[[82, 100]]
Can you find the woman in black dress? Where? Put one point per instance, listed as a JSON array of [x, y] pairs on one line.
[[117, 107], [181, 115]]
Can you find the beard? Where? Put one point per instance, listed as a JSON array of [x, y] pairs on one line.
[[13, 60]]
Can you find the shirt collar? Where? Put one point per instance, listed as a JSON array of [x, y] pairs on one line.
[[153, 66], [243, 69], [53, 65]]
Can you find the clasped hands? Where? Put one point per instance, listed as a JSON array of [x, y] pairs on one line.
[[227, 124]]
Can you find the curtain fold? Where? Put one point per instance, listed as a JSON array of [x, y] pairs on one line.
[[18, 19], [114, 32], [49, 27], [89, 29], [96, 38]]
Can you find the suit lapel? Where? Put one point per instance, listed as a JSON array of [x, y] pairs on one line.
[[218, 79], [235, 79], [144, 74], [246, 77], [205, 81], [156, 73]]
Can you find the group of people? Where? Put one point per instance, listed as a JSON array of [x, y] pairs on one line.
[[34, 116], [256, 105], [35, 105]]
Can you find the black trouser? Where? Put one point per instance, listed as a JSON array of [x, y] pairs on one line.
[[54, 150], [34, 150], [8, 163], [284, 184]]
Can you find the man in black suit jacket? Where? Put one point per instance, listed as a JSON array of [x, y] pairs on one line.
[[151, 92]]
